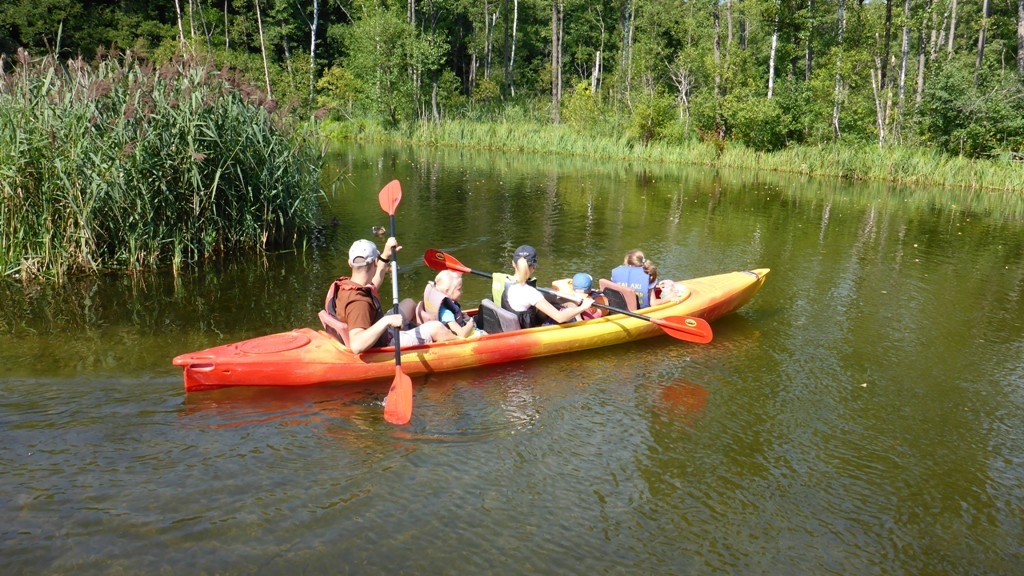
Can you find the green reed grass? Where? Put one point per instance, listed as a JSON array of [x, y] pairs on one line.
[[853, 161], [124, 165]]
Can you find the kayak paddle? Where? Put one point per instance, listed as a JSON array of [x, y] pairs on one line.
[[398, 404], [688, 328]]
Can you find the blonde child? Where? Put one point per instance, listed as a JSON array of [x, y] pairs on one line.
[[447, 290]]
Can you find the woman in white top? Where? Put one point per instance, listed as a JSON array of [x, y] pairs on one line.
[[529, 303]]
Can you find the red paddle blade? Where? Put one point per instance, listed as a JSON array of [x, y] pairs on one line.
[[398, 404], [686, 328], [389, 197], [437, 260]]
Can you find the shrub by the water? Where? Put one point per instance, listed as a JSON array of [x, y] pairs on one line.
[[124, 165]]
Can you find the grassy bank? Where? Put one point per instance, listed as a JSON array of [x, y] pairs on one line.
[[122, 165], [856, 162]]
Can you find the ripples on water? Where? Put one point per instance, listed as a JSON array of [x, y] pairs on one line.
[[862, 415]]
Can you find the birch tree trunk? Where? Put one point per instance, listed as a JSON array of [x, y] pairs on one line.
[[938, 37], [880, 109], [718, 52], [809, 47], [512, 57], [884, 78], [433, 104], [263, 50], [181, 27], [1020, 37], [556, 58], [771, 53], [904, 56], [683, 80], [922, 51], [288, 61], [415, 67], [595, 75], [312, 47], [506, 41], [981, 39], [226, 41], [952, 29], [626, 58], [728, 26], [743, 26], [488, 38], [838, 95]]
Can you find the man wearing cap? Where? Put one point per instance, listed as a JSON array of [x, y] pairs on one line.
[[358, 303]]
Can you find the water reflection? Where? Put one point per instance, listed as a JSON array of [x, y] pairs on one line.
[[681, 402], [863, 413], [305, 406]]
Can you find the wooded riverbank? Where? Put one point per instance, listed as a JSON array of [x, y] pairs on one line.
[[895, 164]]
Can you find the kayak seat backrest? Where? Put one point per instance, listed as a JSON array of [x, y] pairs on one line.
[[334, 327], [498, 285], [329, 317], [493, 319], [618, 295]]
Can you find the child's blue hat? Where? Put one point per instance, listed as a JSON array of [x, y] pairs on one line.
[[582, 281]]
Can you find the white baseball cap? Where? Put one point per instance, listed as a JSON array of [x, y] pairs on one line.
[[362, 253]]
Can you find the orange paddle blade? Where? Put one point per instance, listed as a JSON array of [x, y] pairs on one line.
[[687, 328], [437, 260], [389, 197], [398, 404]]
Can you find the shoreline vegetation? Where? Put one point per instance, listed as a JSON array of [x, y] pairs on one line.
[[893, 164], [111, 165], [125, 165]]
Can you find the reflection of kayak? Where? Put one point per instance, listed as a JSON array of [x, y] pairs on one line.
[[305, 357]]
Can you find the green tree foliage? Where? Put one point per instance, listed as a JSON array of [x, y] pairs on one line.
[[755, 121], [338, 90], [378, 55], [492, 61], [652, 116], [581, 108], [973, 118]]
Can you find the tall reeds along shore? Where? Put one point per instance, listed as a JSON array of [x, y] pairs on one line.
[[120, 164], [857, 161]]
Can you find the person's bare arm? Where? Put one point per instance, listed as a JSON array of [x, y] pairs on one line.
[[463, 331], [561, 315], [360, 339], [388, 253]]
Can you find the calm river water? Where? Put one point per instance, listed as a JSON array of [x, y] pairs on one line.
[[864, 414]]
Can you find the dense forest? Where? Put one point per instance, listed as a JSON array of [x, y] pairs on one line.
[[940, 74]]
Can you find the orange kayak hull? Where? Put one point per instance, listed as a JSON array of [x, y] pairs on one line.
[[306, 357]]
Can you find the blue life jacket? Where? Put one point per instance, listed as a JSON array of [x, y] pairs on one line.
[[636, 279]]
